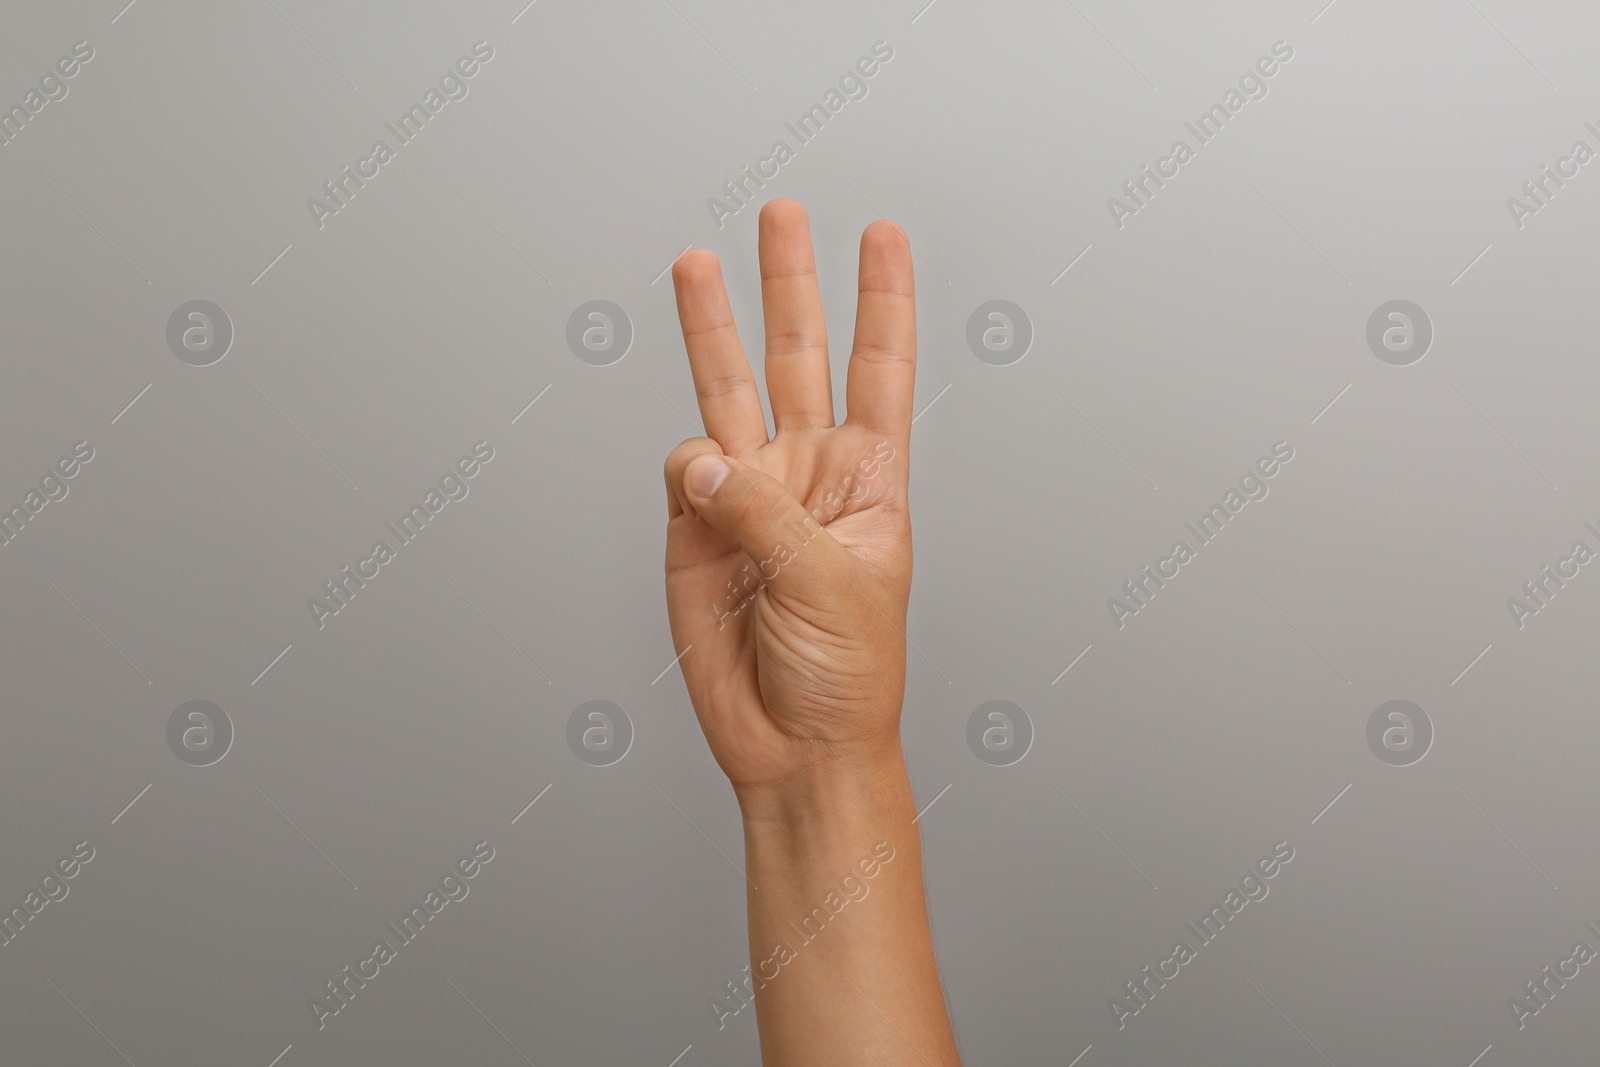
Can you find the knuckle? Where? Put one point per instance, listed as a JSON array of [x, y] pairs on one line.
[[722, 385], [786, 273], [707, 328], [764, 506], [875, 352], [794, 343], [888, 291], [678, 459], [686, 450]]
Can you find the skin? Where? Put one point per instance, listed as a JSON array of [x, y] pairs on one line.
[[797, 669]]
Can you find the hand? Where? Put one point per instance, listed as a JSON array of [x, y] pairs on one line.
[[789, 560]]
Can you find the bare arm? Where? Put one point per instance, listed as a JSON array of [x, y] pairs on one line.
[[839, 865], [788, 572]]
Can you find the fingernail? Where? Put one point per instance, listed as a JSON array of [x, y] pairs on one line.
[[705, 474]]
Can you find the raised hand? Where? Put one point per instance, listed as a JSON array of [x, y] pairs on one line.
[[789, 559], [788, 571]]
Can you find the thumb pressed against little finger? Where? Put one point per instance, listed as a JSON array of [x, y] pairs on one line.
[[791, 551]]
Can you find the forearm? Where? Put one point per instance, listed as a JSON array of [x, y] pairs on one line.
[[841, 956]]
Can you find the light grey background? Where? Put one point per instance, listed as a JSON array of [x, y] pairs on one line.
[[424, 717]]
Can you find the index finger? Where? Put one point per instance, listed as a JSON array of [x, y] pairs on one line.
[[729, 402]]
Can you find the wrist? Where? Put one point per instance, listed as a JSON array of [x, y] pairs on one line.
[[830, 798]]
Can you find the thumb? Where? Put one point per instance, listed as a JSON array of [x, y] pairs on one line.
[[790, 550]]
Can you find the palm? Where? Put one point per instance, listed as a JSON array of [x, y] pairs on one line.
[[774, 661]]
